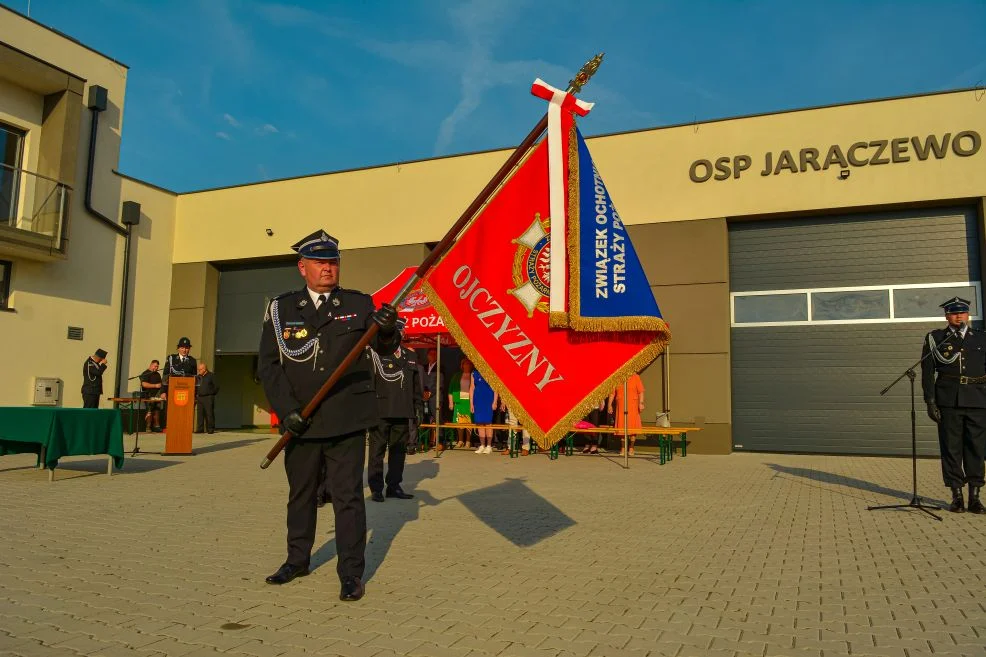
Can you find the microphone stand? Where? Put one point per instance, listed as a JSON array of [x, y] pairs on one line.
[[915, 502]]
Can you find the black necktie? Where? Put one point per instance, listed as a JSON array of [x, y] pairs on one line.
[[323, 301]]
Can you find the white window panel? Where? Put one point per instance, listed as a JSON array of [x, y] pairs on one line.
[[864, 304]]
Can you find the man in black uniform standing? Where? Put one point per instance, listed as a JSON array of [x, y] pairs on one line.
[[306, 335], [399, 398], [956, 400], [92, 379]]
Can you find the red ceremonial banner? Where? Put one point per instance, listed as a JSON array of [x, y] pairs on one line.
[[492, 289]]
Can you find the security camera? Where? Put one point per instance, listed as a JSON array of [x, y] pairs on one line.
[[269, 232]]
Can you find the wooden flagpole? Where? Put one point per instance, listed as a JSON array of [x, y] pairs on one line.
[[574, 86]]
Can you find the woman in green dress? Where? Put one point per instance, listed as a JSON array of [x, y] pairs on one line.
[[460, 399]]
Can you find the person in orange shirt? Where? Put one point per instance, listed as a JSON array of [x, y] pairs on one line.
[[634, 405]]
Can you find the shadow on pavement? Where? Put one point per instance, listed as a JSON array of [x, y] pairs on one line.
[[851, 482], [510, 508], [232, 444], [98, 466]]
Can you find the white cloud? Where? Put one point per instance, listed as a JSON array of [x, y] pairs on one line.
[[267, 129], [230, 119], [223, 135]]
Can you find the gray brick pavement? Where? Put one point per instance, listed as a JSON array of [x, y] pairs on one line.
[[736, 555]]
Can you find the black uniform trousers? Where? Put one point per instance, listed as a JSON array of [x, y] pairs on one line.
[[389, 437], [90, 400], [205, 413], [962, 440], [344, 458]]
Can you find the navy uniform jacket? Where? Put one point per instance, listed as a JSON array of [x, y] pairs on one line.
[[398, 385], [955, 358], [299, 351], [92, 377], [174, 367]]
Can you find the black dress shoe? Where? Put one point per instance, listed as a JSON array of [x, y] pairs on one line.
[[398, 493], [286, 573], [377, 496], [352, 589]]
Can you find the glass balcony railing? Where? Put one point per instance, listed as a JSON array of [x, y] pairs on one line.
[[33, 203]]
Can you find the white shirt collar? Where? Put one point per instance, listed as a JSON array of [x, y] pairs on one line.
[[960, 332], [315, 295]]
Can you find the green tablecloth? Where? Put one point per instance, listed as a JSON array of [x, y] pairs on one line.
[[61, 432]]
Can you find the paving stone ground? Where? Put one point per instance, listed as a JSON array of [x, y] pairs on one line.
[[747, 554]]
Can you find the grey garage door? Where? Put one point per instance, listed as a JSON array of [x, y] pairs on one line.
[[827, 311]]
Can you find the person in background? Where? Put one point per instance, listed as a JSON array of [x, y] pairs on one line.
[[953, 378], [150, 387], [513, 421], [460, 400], [398, 390], [634, 405], [483, 405], [92, 379], [596, 416], [205, 396]]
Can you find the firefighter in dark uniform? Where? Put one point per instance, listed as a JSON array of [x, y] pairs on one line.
[[179, 364], [92, 379], [399, 398], [956, 400], [306, 335]]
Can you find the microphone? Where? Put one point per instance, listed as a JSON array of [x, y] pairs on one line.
[[134, 377]]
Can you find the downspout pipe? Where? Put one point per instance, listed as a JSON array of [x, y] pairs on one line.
[[131, 217], [97, 103]]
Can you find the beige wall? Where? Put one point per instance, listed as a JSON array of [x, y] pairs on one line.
[[193, 305], [647, 173], [84, 288], [150, 276], [691, 285]]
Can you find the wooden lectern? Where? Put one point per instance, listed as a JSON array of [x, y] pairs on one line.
[[181, 414]]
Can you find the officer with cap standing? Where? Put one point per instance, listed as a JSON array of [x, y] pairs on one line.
[[956, 400], [92, 379], [306, 335]]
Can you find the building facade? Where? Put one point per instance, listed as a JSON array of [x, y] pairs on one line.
[[799, 257]]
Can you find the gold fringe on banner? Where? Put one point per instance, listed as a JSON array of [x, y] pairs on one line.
[[544, 439]]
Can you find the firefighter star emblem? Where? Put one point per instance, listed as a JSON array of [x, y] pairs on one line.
[[531, 266]]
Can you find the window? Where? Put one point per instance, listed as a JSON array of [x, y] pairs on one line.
[[850, 305], [11, 149], [5, 268]]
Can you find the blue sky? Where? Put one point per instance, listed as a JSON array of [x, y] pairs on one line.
[[223, 92]]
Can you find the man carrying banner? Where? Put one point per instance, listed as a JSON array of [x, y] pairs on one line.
[[306, 335]]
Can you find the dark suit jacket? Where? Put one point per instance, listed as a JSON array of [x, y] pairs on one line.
[[92, 377], [299, 350], [940, 380], [205, 385], [400, 398]]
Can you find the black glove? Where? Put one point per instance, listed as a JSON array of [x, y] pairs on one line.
[[386, 319], [934, 412], [294, 423]]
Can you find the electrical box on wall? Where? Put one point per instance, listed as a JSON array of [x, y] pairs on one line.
[[47, 391]]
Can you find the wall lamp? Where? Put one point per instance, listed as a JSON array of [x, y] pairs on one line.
[[843, 174], [269, 232]]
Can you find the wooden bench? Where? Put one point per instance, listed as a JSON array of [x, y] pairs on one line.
[[666, 438]]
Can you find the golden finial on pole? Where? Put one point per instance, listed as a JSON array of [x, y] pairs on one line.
[[582, 77]]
